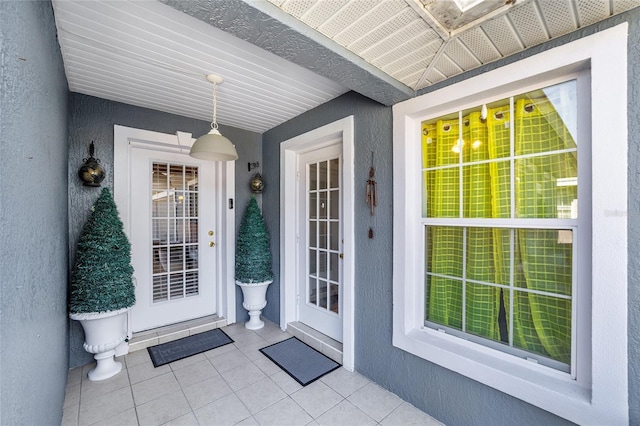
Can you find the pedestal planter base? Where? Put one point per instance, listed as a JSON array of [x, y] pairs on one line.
[[103, 333], [254, 300]]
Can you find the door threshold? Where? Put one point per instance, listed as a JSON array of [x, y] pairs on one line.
[[318, 341], [168, 333]]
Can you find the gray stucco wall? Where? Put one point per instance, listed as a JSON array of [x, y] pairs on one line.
[[372, 125], [448, 396], [92, 119], [33, 216], [634, 216]]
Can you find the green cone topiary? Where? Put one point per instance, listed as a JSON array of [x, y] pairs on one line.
[[101, 279], [253, 254]]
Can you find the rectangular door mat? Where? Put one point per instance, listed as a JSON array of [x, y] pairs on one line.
[[187, 346], [299, 360]]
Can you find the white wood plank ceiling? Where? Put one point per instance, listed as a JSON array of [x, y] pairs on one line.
[[147, 54], [151, 54]]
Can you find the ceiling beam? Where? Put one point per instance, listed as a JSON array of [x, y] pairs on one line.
[[268, 27]]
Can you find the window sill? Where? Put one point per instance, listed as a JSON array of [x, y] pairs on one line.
[[544, 387]]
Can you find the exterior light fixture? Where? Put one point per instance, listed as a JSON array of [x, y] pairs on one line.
[[91, 172], [256, 184], [213, 146]]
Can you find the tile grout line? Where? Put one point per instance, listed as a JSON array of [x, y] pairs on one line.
[[247, 340]]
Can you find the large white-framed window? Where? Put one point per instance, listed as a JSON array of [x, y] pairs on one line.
[[504, 239], [453, 312]]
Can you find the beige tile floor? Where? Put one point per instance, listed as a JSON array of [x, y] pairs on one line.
[[233, 384]]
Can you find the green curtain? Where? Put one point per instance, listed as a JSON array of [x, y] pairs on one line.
[[541, 324], [482, 301], [546, 263], [445, 302]]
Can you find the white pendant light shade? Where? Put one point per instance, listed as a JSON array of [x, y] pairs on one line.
[[213, 147]]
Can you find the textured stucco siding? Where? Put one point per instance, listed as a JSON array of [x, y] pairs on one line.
[[33, 216], [633, 236], [372, 127], [92, 119], [443, 394]]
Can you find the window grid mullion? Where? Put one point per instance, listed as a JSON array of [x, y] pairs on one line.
[[512, 177], [512, 232], [511, 293], [497, 160], [461, 216], [464, 279]]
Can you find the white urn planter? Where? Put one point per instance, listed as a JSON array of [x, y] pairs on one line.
[[254, 300], [104, 335]]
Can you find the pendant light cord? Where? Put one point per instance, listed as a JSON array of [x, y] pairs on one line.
[[214, 123]]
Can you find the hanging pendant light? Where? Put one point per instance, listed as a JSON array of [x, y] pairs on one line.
[[213, 146]]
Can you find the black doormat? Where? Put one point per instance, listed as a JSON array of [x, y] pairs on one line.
[[187, 346], [299, 360]]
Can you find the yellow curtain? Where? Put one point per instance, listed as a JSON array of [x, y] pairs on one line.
[[542, 262]]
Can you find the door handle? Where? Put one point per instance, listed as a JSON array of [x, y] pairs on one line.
[[212, 244]]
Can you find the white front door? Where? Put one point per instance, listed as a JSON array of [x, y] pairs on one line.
[[320, 240], [178, 214], [172, 224]]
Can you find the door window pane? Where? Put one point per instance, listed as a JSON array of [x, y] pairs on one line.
[[334, 173], [334, 267], [323, 208], [176, 257], [176, 286], [313, 177], [334, 201], [322, 264], [160, 288], [333, 235], [174, 225], [313, 268], [191, 284], [313, 205], [334, 298], [322, 293], [176, 176], [323, 236], [323, 177], [313, 229], [313, 291]]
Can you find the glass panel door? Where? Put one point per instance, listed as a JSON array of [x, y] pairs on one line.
[[324, 226], [320, 232], [173, 243]]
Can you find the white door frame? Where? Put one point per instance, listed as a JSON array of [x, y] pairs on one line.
[[124, 138], [289, 152]]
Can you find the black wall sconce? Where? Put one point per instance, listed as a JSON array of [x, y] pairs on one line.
[[91, 172], [257, 182]]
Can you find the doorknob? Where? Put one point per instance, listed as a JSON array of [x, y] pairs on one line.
[[212, 244], [341, 255]]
